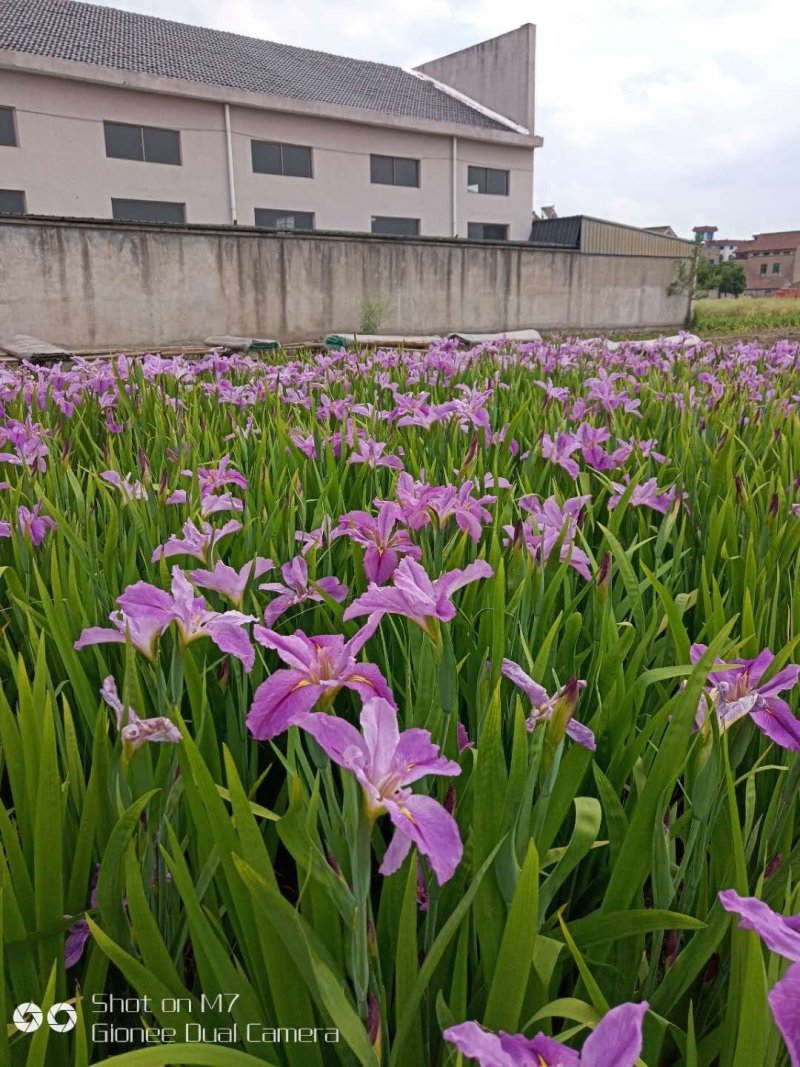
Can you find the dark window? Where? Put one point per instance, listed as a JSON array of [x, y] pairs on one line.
[[12, 202], [487, 180], [763, 268], [291, 160], [148, 211], [8, 131], [148, 144], [387, 224], [275, 219], [486, 231], [776, 268], [394, 170]]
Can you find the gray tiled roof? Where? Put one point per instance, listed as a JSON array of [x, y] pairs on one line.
[[107, 37]]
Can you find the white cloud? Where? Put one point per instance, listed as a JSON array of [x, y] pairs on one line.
[[653, 111]]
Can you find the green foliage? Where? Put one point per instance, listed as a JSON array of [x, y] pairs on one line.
[[587, 880]]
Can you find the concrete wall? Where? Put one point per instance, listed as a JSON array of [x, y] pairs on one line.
[[95, 285], [60, 161], [498, 73]]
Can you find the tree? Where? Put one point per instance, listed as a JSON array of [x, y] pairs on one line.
[[730, 279]]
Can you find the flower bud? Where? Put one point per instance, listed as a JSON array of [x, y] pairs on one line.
[[604, 577]]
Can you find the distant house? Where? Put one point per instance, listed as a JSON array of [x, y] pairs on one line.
[[771, 262], [664, 231]]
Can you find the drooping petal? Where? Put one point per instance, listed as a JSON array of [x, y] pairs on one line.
[[535, 693], [99, 635], [230, 637], [366, 680], [279, 702], [432, 829], [416, 755], [779, 723], [784, 1000], [773, 929], [482, 1045], [456, 579], [77, 936], [395, 854], [581, 735], [339, 739], [617, 1038], [788, 678]]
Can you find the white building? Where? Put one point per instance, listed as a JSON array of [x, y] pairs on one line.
[[110, 114]]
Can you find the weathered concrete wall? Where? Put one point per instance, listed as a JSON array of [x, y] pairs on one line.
[[96, 285]]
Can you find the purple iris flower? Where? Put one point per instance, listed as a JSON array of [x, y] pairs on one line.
[[383, 543], [781, 934], [372, 452], [297, 589], [318, 667], [211, 503], [195, 542], [228, 582], [554, 522], [615, 1042], [739, 691], [558, 451], [545, 708], [645, 495], [147, 612], [416, 596], [213, 478], [130, 490], [385, 762], [34, 525]]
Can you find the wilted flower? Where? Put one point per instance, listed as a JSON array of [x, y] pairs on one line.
[[136, 732], [557, 710]]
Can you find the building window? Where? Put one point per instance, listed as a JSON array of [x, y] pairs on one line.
[[487, 180], [147, 144], [397, 227], [12, 202], [486, 231], [291, 160], [763, 268], [147, 211], [276, 219], [8, 130], [393, 170], [776, 268]]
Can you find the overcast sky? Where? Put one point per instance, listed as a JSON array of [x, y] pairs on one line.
[[653, 112]]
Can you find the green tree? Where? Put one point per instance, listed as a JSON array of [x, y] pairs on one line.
[[730, 279]]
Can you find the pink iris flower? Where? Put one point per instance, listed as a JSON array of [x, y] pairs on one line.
[[317, 668], [781, 934], [34, 525], [297, 589], [558, 451], [372, 452], [130, 490], [554, 522], [385, 762], [195, 542], [545, 708], [228, 582], [383, 543], [645, 495], [147, 611], [416, 596], [615, 1042], [137, 732], [213, 478], [739, 691]]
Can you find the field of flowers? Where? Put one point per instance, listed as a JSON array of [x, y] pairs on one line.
[[402, 708]]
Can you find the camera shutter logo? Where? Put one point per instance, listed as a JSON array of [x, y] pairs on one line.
[[28, 1017]]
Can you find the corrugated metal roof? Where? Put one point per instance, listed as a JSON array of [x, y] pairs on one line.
[[123, 40], [601, 237]]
